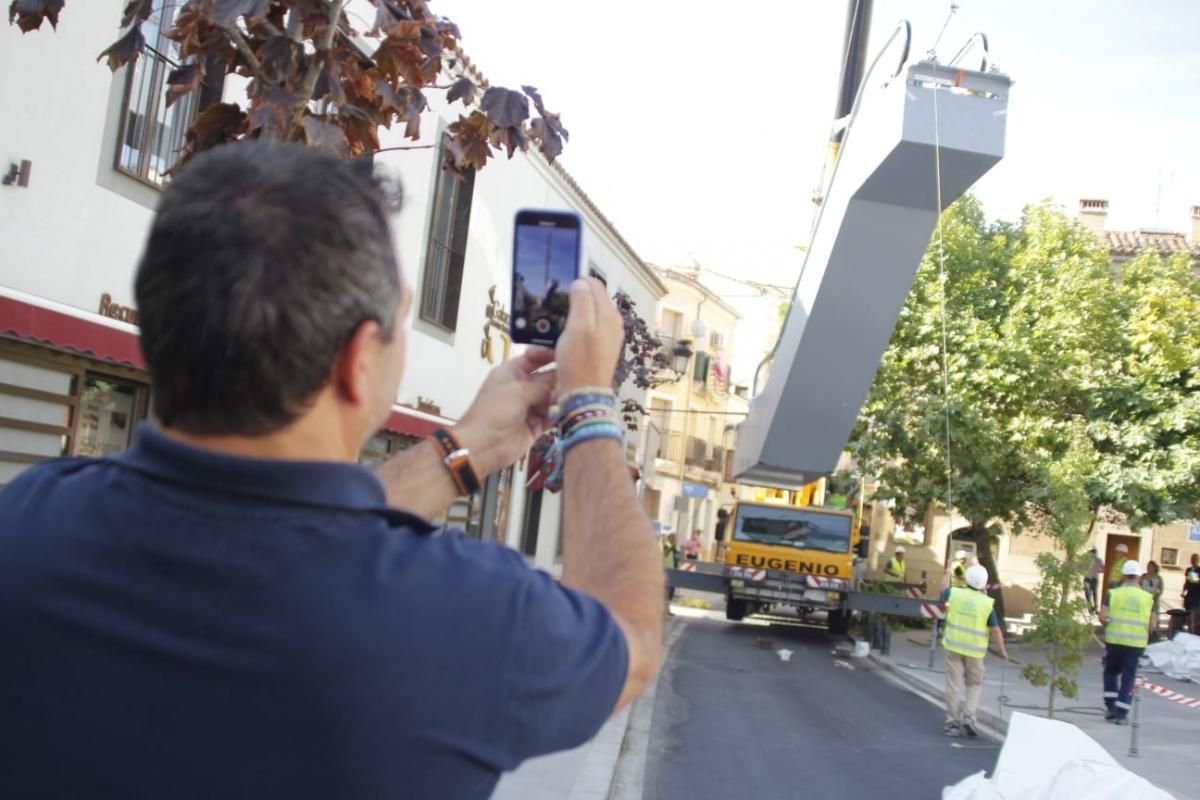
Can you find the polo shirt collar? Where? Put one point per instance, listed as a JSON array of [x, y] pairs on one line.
[[323, 484]]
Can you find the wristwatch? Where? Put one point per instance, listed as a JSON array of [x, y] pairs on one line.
[[457, 460]]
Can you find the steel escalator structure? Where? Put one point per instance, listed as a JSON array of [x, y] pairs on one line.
[[911, 148]]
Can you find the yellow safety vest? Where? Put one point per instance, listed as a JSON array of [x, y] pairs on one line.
[[1114, 575], [895, 565], [958, 576], [967, 614], [1129, 616]]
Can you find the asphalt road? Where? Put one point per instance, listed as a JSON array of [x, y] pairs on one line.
[[732, 720]]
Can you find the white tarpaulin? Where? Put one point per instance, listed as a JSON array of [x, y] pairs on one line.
[[1178, 658], [1044, 759]]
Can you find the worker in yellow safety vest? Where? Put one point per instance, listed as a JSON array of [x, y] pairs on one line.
[[958, 570], [1126, 618], [1115, 575], [894, 569], [969, 618]]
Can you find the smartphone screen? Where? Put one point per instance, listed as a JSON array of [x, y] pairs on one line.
[[546, 248]]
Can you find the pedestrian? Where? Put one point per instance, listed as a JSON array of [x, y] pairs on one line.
[[691, 549], [970, 617], [1126, 618], [1116, 571], [958, 570], [1152, 582], [719, 534], [670, 560], [233, 607], [1191, 593], [1091, 584], [895, 570]]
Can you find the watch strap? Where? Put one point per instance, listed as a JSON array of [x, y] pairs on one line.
[[457, 460]]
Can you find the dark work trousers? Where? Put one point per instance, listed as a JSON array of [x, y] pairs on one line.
[[1120, 663]]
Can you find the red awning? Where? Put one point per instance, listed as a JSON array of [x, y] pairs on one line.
[[409, 424], [67, 332]]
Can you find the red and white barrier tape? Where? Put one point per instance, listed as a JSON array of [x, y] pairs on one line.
[[1162, 691], [933, 611]]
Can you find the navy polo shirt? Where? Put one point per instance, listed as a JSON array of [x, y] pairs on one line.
[[178, 623]]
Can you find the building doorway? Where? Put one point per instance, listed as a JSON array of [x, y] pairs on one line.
[[1111, 557]]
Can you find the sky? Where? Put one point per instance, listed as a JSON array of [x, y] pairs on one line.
[[700, 129]]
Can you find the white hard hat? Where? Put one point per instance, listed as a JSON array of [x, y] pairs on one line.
[[959, 555], [901, 549], [1122, 548], [1131, 568], [977, 576]]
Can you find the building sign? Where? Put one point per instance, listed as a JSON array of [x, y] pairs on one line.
[[694, 490], [1194, 533], [115, 311], [496, 317]]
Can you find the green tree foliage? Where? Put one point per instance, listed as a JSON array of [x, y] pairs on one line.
[[1041, 333], [1060, 613]]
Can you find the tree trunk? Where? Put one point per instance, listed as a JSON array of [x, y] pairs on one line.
[[983, 549]]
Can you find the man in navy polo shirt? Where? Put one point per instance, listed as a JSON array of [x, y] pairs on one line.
[[234, 608]]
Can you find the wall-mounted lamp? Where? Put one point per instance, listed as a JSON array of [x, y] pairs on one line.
[[680, 356], [17, 173]]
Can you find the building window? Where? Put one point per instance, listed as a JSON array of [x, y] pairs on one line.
[[52, 405], [152, 135], [441, 284], [107, 411], [1170, 557]]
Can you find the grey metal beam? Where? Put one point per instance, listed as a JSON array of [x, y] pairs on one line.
[[872, 232]]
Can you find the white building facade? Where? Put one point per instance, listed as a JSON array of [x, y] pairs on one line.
[[90, 148]]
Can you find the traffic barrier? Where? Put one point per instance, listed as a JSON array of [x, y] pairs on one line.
[[933, 610], [916, 591], [1162, 691], [686, 567]]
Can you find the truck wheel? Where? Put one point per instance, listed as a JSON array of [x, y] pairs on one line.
[[735, 609], [839, 622]]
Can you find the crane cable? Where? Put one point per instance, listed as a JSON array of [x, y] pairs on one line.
[[937, 175]]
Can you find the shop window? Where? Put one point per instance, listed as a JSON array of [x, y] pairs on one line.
[[382, 446], [152, 135], [441, 284], [107, 411], [533, 519], [36, 407]]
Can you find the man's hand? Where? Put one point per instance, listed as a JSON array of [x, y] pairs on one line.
[[592, 341], [509, 413]]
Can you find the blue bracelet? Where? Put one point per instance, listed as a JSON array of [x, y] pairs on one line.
[[580, 400], [558, 455]]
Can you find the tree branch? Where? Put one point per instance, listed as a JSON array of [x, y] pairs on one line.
[[407, 147], [309, 84], [244, 48]]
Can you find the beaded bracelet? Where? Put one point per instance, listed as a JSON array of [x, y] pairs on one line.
[[578, 399], [558, 455]]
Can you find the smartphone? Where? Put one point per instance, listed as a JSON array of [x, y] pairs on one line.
[[546, 253]]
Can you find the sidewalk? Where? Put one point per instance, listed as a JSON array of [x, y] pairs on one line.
[[1168, 739]]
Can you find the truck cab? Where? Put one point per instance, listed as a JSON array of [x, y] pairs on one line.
[[782, 551]]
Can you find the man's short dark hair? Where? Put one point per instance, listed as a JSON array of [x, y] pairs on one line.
[[262, 261]]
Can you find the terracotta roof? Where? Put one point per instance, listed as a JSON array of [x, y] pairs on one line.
[[692, 277], [1126, 244]]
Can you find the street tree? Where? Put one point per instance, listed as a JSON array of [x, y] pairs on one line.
[[966, 409], [1040, 333], [314, 78], [1060, 614]]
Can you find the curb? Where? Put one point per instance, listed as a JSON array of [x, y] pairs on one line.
[[997, 725], [629, 771]]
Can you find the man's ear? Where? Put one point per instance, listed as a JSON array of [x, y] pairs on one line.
[[354, 368]]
